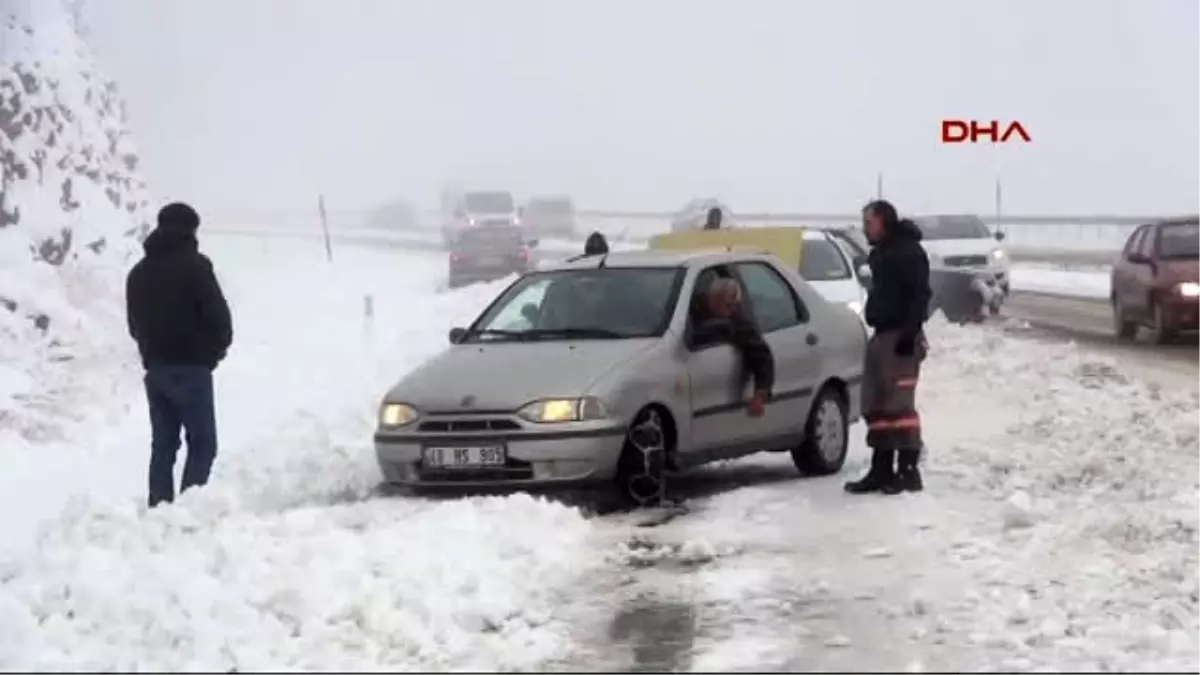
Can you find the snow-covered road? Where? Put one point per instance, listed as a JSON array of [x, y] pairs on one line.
[[1059, 529]]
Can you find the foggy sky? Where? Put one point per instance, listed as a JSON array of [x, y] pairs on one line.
[[766, 104]]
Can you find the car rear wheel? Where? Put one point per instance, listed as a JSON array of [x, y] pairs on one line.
[[643, 462], [1125, 329], [826, 435]]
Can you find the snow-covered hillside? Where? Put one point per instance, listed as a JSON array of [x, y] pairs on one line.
[[72, 208]]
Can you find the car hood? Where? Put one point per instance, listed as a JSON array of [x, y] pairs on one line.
[[1180, 270], [972, 246], [507, 375]]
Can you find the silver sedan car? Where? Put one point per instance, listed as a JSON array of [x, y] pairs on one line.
[[589, 371]]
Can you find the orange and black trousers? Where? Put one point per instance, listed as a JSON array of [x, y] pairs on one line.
[[889, 392]]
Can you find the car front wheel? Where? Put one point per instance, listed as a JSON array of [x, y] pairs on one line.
[[826, 435], [1125, 329], [1163, 333]]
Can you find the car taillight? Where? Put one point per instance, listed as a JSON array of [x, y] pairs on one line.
[[523, 254], [454, 257]]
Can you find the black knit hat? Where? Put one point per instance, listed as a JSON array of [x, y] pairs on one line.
[[179, 216]]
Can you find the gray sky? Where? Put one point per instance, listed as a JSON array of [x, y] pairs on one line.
[[767, 104]]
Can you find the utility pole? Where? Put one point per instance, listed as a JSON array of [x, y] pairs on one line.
[[999, 199]]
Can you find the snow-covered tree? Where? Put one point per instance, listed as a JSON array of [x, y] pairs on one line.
[[73, 208]]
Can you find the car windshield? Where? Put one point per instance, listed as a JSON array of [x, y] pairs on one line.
[[820, 260], [489, 202], [953, 227], [1180, 241], [553, 207], [602, 303]]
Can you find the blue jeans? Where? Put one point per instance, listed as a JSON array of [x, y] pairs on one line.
[[180, 397]]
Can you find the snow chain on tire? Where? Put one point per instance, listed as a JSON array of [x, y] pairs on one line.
[[648, 488]]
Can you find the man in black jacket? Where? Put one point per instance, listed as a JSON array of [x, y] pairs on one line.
[[897, 305], [181, 322]]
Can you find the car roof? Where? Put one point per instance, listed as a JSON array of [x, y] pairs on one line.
[[1180, 220], [699, 258]]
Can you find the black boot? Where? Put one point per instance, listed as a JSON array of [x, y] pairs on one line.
[[879, 476], [908, 475]]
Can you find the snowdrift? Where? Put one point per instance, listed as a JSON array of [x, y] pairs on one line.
[[72, 209]]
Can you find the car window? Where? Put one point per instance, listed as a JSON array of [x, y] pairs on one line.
[[772, 300], [821, 260], [518, 313], [953, 227], [1146, 243], [1135, 239], [1179, 241], [603, 302], [854, 242]]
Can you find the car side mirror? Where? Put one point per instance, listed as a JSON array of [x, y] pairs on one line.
[[864, 271], [532, 243], [457, 334], [999, 235]]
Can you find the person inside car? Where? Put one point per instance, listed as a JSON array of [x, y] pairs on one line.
[[718, 316], [712, 220]]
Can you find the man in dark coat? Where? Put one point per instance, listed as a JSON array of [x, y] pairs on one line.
[[179, 318], [896, 308]]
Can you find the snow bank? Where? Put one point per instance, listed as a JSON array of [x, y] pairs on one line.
[[1058, 531], [71, 206], [286, 560]]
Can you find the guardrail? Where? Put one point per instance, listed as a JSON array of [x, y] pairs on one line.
[[1065, 239]]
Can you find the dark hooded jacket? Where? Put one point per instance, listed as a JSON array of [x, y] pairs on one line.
[[174, 305], [899, 296]]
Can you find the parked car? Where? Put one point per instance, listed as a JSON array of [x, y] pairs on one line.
[[569, 372], [468, 210], [694, 214], [486, 253], [961, 294], [969, 266], [549, 216], [1156, 280], [831, 265]]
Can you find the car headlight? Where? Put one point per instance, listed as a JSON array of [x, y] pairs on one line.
[[396, 415], [564, 410], [999, 255], [855, 306], [1189, 289]]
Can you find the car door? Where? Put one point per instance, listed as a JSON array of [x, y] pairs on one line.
[[783, 321], [715, 381], [1122, 268], [1141, 275]]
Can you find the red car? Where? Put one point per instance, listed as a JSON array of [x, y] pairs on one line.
[[1156, 281]]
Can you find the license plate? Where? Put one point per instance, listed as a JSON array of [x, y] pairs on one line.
[[464, 457], [491, 262]]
